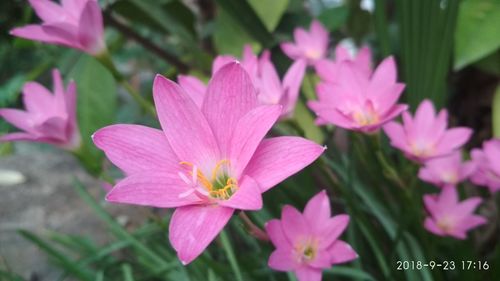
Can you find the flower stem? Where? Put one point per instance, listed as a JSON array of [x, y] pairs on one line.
[[253, 229], [106, 60]]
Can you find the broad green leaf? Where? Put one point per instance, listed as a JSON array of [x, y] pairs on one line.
[[242, 12], [96, 107], [229, 37], [334, 18], [10, 90], [476, 35], [490, 64], [496, 113], [269, 12], [349, 272]]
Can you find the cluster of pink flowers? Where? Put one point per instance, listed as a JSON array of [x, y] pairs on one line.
[[211, 156]]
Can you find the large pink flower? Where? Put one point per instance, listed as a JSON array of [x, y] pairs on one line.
[[357, 101], [310, 46], [49, 118], [74, 23], [306, 243], [426, 136], [205, 162], [448, 216], [487, 162], [328, 69], [270, 89], [447, 170]]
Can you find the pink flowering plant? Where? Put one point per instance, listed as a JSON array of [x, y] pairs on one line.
[[248, 140]]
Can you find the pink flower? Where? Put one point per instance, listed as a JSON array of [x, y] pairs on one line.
[[74, 23], [270, 89], [487, 162], [49, 118], [310, 46], [425, 135], [328, 70], [448, 216], [447, 170], [205, 162], [306, 243], [359, 102]]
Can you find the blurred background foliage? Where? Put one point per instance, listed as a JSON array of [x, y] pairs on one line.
[[447, 50]]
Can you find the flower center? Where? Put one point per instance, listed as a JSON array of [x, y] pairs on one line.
[[445, 224], [220, 185], [306, 250], [313, 54], [421, 149], [365, 118]]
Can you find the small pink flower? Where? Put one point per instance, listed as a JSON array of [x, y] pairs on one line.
[[270, 89], [206, 162], [487, 162], [447, 170], [426, 136], [49, 118], [306, 243], [310, 46], [359, 102], [448, 216], [328, 70], [74, 23]]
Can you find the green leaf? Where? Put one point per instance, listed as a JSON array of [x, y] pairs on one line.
[[58, 256], [242, 12], [230, 255], [96, 107], [127, 273], [477, 31], [349, 272], [334, 18], [496, 113], [229, 37], [10, 90], [269, 12]]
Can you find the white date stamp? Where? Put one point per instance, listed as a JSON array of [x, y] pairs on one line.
[[442, 265]]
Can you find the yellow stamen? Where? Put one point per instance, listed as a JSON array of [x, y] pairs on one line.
[[218, 192]]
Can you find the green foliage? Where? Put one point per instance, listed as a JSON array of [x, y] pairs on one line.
[[97, 101], [477, 31], [334, 18], [496, 113], [269, 12]]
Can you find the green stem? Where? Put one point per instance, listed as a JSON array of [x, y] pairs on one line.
[[224, 239], [253, 229], [106, 60]]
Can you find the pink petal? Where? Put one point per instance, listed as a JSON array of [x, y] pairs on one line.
[[467, 207], [53, 127], [278, 158], [20, 119], [59, 89], [364, 60], [396, 134], [321, 260], [37, 98], [230, 95], [155, 189], [327, 70], [317, 211], [192, 228], [247, 197], [20, 136], [306, 273], [91, 29], [385, 75], [48, 11], [275, 231], [36, 33], [291, 84], [341, 53], [70, 98], [431, 226], [342, 252], [185, 127], [332, 229], [472, 222], [136, 148], [423, 121], [63, 33], [448, 198], [282, 260], [194, 87], [291, 50], [294, 224], [352, 79], [248, 134], [221, 61], [453, 139]]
